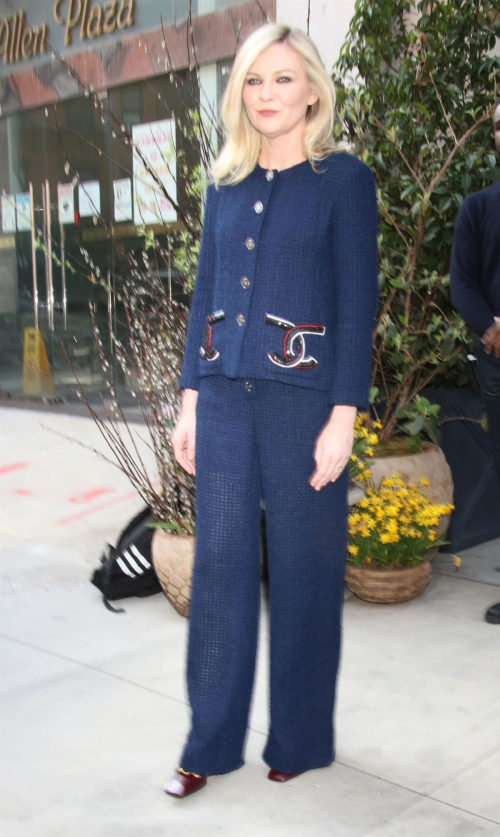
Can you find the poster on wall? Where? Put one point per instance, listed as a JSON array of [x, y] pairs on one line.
[[155, 141], [23, 211], [8, 213], [89, 198], [123, 199], [66, 203]]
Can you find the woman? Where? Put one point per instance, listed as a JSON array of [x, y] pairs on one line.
[[277, 362]]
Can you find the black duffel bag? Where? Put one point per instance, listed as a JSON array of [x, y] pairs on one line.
[[127, 568]]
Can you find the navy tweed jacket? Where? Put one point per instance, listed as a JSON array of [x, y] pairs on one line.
[[286, 286]]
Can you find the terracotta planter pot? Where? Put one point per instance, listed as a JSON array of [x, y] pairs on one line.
[[173, 562], [387, 586], [430, 463]]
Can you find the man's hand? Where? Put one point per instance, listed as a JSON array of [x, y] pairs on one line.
[[491, 338]]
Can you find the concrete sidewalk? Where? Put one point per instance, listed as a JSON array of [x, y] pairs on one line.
[[94, 708]]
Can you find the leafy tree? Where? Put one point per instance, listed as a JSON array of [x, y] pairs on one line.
[[417, 84]]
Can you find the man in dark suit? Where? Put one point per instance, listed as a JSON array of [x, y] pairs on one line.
[[475, 293]]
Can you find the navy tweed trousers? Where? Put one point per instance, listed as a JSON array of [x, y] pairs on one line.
[[255, 438]]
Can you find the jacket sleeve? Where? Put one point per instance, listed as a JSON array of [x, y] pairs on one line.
[[202, 294], [465, 272], [355, 273]]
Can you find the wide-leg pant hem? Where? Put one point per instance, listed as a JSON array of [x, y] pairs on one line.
[[211, 770], [297, 768]]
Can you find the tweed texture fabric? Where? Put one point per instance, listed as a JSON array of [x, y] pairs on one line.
[[255, 438], [286, 287]]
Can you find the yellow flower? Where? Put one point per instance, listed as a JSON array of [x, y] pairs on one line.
[[424, 481], [384, 537], [368, 473], [392, 511], [353, 549], [372, 439], [456, 560], [378, 425], [368, 559]]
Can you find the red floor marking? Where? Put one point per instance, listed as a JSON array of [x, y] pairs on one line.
[[63, 520], [87, 496], [14, 466], [23, 492]]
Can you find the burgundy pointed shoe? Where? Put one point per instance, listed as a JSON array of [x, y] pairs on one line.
[[184, 783], [277, 776]]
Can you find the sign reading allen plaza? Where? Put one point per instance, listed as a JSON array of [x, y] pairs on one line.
[[83, 19]]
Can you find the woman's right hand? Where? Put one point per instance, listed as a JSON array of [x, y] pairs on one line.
[[184, 433]]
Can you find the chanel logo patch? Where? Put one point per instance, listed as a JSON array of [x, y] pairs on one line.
[[294, 344], [206, 350]]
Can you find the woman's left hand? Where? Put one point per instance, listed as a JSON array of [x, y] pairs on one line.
[[333, 448]]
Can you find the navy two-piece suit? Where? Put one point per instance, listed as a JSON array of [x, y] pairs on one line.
[[280, 329], [475, 292]]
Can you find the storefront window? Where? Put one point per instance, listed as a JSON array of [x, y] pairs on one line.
[[75, 141]]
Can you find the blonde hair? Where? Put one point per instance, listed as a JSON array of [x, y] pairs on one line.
[[240, 152]]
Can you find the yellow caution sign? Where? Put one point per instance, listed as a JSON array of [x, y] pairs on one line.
[[37, 377]]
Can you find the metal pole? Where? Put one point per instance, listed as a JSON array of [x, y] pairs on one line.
[[169, 271], [33, 256], [50, 285], [63, 279], [44, 231], [110, 315]]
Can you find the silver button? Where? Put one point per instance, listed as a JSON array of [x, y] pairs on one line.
[[248, 385], [269, 174], [244, 281], [240, 319], [258, 206], [250, 243]]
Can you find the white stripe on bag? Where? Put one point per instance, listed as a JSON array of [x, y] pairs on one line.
[[133, 564], [138, 555], [121, 563]]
